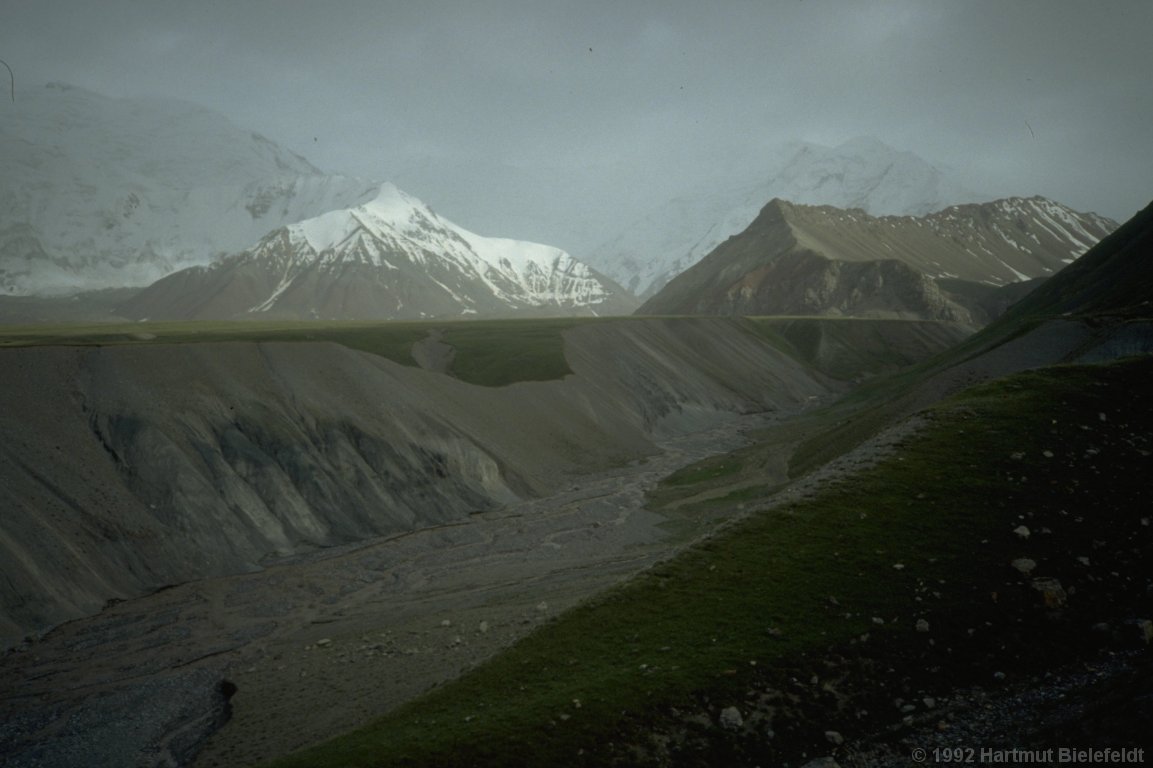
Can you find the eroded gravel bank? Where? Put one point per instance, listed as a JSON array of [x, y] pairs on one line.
[[320, 643]]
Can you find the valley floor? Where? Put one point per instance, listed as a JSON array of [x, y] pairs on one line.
[[316, 645]]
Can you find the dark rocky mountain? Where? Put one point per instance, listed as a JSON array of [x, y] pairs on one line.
[[819, 260]]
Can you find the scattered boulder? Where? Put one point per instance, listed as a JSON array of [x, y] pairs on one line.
[[731, 718], [1024, 565]]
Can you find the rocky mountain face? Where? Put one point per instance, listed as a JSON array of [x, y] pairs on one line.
[[861, 173], [389, 258], [98, 192], [820, 260], [1113, 279]]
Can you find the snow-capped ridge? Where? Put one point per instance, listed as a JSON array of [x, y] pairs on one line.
[[389, 257], [394, 214]]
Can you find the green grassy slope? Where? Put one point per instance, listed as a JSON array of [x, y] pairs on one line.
[[806, 616]]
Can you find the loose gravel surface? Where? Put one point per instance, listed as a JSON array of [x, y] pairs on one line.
[[321, 643], [1102, 703]]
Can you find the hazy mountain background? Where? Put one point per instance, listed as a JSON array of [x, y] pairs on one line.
[[97, 192], [563, 125]]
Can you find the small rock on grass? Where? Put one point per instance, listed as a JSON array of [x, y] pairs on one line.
[[731, 718], [1024, 564]]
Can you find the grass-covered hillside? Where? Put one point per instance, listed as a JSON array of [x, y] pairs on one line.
[[1009, 534]]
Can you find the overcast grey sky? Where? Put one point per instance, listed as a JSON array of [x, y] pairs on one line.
[[487, 110]]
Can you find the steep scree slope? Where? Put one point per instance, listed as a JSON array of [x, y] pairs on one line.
[[128, 468]]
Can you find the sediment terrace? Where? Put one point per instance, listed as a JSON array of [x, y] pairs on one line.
[[143, 466]]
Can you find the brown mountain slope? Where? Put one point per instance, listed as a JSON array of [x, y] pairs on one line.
[[797, 259]]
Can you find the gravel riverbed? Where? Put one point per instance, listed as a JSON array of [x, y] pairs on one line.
[[320, 643]]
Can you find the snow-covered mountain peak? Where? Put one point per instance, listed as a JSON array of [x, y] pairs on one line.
[[394, 204], [389, 257], [399, 218], [391, 214]]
